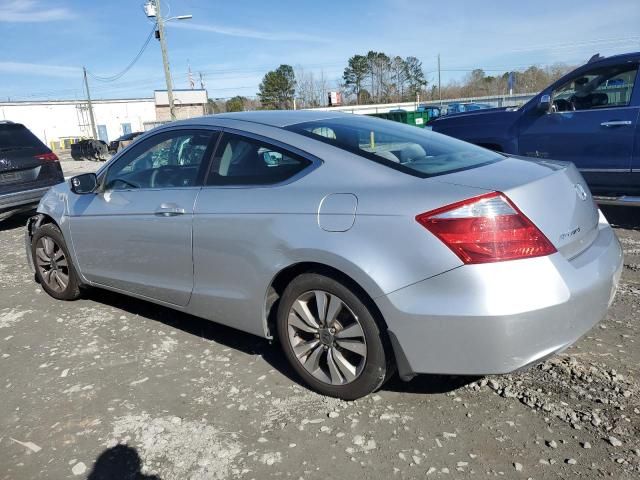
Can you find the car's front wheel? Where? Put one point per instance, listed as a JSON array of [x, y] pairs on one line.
[[52, 262], [331, 338]]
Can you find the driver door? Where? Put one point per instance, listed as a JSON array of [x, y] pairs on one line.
[[591, 123], [135, 233]]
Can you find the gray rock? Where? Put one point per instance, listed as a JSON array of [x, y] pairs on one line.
[[614, 441], [517, 466], [552, 444]]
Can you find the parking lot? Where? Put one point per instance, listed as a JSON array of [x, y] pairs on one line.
[[112, 387]]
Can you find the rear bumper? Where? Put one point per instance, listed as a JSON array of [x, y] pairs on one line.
[[18, 200], [501, 317], [624, 200]]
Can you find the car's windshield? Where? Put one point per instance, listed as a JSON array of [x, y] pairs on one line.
[[413, 150]]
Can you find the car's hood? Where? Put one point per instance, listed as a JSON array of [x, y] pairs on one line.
[[483, 111], [480, 115], [499, 119]]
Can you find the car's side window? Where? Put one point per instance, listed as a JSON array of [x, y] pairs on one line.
[[245, 161], [167, 160], [603, 87]]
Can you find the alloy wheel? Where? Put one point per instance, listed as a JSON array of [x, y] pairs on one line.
[[326, 337], [52, 264]]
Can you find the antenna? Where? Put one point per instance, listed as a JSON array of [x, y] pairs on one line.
[[192, 83]]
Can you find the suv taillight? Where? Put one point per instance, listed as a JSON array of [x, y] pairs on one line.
[[47, 156], [485, 229]]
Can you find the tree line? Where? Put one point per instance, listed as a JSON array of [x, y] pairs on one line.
[[380, 78], [478, 83]]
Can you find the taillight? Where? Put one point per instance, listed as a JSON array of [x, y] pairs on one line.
[[52, 157], [485, 229]]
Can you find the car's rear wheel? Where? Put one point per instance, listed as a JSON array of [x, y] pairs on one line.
[[54, 269], [331, 338]]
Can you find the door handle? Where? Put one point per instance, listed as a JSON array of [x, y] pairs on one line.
[[169, 210], [616, 123]]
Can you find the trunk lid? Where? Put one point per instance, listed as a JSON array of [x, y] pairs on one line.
[[553, 195], [18, 166]]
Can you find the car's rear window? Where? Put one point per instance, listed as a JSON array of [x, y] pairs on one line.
[[410, 149], [16, 136]]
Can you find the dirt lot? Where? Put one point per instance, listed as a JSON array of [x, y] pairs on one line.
[[110, 387]]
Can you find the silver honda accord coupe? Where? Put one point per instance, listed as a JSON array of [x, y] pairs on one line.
[[363, 245]]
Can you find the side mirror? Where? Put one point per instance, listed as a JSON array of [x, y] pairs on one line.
[[544, 105], [85, 183]]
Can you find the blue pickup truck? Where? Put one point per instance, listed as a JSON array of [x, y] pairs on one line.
[[589, 117]]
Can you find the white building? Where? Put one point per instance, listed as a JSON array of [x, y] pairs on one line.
[[58, 123], [59, 120]]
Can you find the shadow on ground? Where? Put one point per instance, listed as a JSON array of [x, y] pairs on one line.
[[623, 217], [15, 220], [121, 462], [221, 334], [252, 345], [428, 384]]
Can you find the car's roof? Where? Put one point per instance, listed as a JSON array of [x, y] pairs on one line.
[[622, 56], [275, 118], [10, 124]]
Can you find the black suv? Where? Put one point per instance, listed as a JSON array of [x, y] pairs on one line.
[[27, 169], [123, 141]]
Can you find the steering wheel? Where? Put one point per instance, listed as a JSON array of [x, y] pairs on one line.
[[154, 177], [572, 102], [168, 180], [564, 105]]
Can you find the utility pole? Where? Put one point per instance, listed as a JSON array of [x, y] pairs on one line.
[[165, 59], [91, 117], [439, 84]]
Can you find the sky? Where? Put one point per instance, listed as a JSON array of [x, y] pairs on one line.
[[234, 43]]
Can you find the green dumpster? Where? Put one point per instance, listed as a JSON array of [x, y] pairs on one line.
[[418, 119]]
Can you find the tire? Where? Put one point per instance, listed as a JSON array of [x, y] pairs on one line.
[[54, 270], [349, 362]]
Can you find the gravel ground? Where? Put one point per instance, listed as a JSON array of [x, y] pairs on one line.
[[71, 167], [112, 387]]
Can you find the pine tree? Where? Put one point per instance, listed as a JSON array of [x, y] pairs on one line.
[[278, 88]]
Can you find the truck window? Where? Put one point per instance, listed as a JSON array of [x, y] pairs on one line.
[[603, 87]]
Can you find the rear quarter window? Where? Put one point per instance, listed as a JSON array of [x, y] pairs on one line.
[[412, 150]]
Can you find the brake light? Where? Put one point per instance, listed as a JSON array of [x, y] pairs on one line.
[[485, 229], [47, 156]]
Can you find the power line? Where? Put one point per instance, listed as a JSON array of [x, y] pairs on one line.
[[119, 75]]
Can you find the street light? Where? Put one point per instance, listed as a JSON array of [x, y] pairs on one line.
[[152, 9]]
